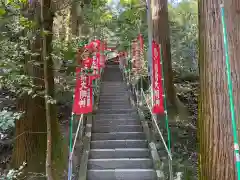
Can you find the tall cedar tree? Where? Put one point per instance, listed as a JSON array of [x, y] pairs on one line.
[[216, 158], [161, 35]]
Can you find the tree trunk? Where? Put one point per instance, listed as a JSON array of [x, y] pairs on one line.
[[216, 160], [47, 24], [84, 28], [31, 130], [74, 18], [161, 35], [232, 11]]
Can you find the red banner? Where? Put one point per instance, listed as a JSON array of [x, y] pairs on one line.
[[96, 66], [102, 56], [140, 38], [87, 63], [94, 45], [83, 94], [158, 99]]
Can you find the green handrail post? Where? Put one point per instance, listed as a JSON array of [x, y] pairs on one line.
[[70, 146], [166, 113], [230, 92]]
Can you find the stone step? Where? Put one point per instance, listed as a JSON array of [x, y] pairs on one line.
[[119, 85], [112, 79], [110, 144], [116, 122], [120, 163], [115, 108], [110, 102], [118, 106], [118, 136], [116, 95], [118, 128], [106, 115], [111, 92], [120, 88], [109, 108], [116, 112], [119, 153], [117, 103], [110, 83], [113, 103], [114, 99], [114, 117], [119, 149], [122, 174]]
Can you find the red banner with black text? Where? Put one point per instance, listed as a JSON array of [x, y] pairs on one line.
[[157, 86]]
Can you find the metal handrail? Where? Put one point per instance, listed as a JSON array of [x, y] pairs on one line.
[[155, 122], [80, 124], [153, 117], [76, 135]]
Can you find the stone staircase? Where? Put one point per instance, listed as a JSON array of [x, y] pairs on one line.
[[119, 148]]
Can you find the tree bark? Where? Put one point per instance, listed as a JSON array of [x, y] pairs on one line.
[[232, 11], [74, 18], [31, 130], [161, 35], [47, 24], [216, 158], [84, 28]]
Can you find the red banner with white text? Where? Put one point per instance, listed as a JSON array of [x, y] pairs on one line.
[[158, 99], [96, 66], [83, 94]]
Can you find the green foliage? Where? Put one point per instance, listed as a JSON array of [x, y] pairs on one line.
[[129, 2], [2, 11], [183, 31], [8, 118], [117, 27], [13, 51], [184, 36], [12, 173]]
